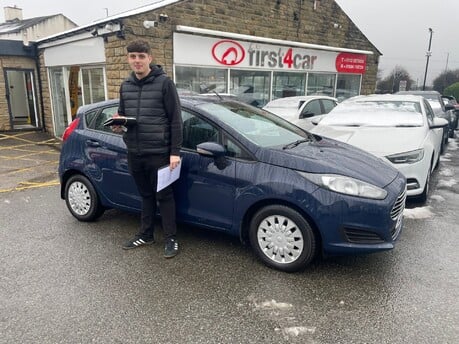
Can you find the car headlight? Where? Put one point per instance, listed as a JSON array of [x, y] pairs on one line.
[[345, 185], [407, 157]]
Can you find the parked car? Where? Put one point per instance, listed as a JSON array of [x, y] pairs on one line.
[[452, 101], [248, 173], [441, 110], [401, 129], [299, 109]]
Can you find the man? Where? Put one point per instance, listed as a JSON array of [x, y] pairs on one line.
[[153, 142]]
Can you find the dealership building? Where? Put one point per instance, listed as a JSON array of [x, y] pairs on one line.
[[258, 50]]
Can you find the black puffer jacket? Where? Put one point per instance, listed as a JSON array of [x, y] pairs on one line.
[[154, 102]]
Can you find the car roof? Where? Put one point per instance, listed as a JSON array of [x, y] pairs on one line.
[[293, 101], [385, 97], [187, 100], [418, 92]]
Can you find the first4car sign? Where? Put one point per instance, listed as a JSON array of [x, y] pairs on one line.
[[199, 50]]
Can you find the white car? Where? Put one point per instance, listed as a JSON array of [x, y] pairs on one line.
[[299, 109], [400, 129]]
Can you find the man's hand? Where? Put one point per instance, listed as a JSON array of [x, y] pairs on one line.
[[174, 161], [116, 128]]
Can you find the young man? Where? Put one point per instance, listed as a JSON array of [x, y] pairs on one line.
[[153, 142]]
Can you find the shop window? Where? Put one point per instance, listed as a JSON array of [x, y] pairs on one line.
[[93, 85], [200, 80], [321, 84], [251, 87], [288, 84], [348, 85]]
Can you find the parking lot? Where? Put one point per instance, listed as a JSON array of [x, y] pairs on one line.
[[28, 160], [63, 281]]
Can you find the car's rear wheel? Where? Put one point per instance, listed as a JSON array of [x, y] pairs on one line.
[[81, 199], [282, 238]]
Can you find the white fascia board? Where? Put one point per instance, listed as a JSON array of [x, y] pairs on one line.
[[190, 29], [65, 40]]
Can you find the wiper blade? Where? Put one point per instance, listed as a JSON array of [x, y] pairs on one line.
[[296, 143]]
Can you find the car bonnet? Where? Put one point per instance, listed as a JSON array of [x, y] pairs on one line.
[[327, 156]]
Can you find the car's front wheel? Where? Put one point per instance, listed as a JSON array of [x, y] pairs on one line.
[[81, 199], [422, 198], [282, 238]]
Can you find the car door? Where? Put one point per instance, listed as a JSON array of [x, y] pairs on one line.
[[205, 192], [310, 109], [107, 163]]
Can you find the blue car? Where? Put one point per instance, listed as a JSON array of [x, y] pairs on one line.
[[249, 173]]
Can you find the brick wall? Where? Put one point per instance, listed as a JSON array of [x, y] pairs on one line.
[[13, 62], [288, 20], [293, 20], [47, 112]]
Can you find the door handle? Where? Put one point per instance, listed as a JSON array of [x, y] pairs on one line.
[[92, 143]]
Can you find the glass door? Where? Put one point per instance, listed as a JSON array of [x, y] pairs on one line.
[[58, 77]]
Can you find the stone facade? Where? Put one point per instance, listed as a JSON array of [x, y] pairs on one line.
[[286, 20], [13, 62]]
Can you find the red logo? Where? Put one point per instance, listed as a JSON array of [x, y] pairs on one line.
[[228, 53]]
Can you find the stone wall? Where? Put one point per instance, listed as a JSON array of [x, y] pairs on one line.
[[14, 62], [46, 96], [294, 20], [281, 19]]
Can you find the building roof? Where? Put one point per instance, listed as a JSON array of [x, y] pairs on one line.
[[17, 25], [146, 8]]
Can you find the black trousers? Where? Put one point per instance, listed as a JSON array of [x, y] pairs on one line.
[[144, 170]]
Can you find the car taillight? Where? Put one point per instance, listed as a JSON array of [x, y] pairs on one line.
[[70, 128]]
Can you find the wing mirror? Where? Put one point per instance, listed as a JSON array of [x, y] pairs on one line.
[[213, 150], [439, 123]]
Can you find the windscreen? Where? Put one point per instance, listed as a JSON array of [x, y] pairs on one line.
[[258, 126]]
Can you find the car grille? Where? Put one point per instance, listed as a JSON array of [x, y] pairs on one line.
[[399, 206], [359, 236]]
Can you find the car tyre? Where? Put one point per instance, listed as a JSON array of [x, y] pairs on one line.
[[423, 197], [282, 238], [82, 199]]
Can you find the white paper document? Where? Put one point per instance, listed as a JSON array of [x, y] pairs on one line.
[[167, 177]]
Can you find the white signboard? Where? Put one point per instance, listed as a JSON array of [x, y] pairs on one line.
[[224, 52]]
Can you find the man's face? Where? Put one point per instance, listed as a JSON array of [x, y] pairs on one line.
[[140, 63]]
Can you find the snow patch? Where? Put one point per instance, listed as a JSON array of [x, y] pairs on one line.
[[446, 183], [295, 331], [446, 172], [418, 213], [273, 304], [443, 159], [452, 145], [437, 198]]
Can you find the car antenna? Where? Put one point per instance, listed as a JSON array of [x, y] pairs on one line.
[[219, 96]]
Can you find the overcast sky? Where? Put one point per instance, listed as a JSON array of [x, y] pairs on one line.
[[398, 28]]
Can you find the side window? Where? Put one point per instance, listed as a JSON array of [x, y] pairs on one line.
[[196, 131], [89, 118], [429, 112], [328, 105], [102, 117], [311, 109], [234, 150]]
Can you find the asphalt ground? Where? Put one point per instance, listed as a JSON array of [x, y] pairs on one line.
[[28, 160]]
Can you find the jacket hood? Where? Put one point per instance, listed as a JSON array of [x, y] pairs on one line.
[[328, 156]]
